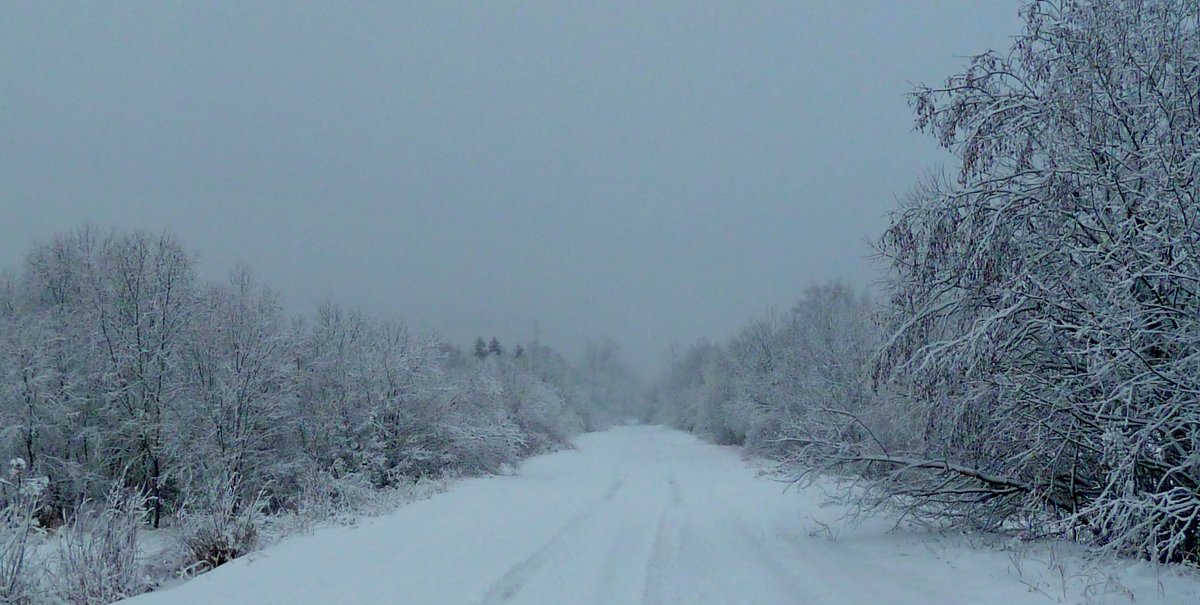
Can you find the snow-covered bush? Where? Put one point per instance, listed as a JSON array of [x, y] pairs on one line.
[[324, 495], [20, 501], [217, 525], [481, 448], [98, 558], [537, 410]]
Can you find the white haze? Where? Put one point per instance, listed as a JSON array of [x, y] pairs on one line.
[[647, 172]]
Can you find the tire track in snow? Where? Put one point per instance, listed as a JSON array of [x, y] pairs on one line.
[[665, 552], [663, 563], [513, 580]]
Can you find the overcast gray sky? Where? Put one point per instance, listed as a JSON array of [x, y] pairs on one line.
[[646, 171]]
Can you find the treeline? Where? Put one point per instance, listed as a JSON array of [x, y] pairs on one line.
[[750, 390], [1035, 363], [122, 375]]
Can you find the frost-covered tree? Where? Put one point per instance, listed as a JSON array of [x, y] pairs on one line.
[[778, 378], [50, 306], [238, 382], [608, 390], [100, 319], [122, 374], [332, 388], [1044, 323], [142, 288], [694, 390]]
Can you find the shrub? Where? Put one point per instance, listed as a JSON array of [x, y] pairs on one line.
[[218, 526], [98, 559], [20, 500]]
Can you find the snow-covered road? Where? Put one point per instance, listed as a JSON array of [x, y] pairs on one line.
[[636, 515]]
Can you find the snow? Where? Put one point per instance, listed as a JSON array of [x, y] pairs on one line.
[[648, 515]]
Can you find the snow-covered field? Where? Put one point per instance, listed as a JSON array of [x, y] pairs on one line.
[[648, 515]]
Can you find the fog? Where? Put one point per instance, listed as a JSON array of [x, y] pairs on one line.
[[647, 172]]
